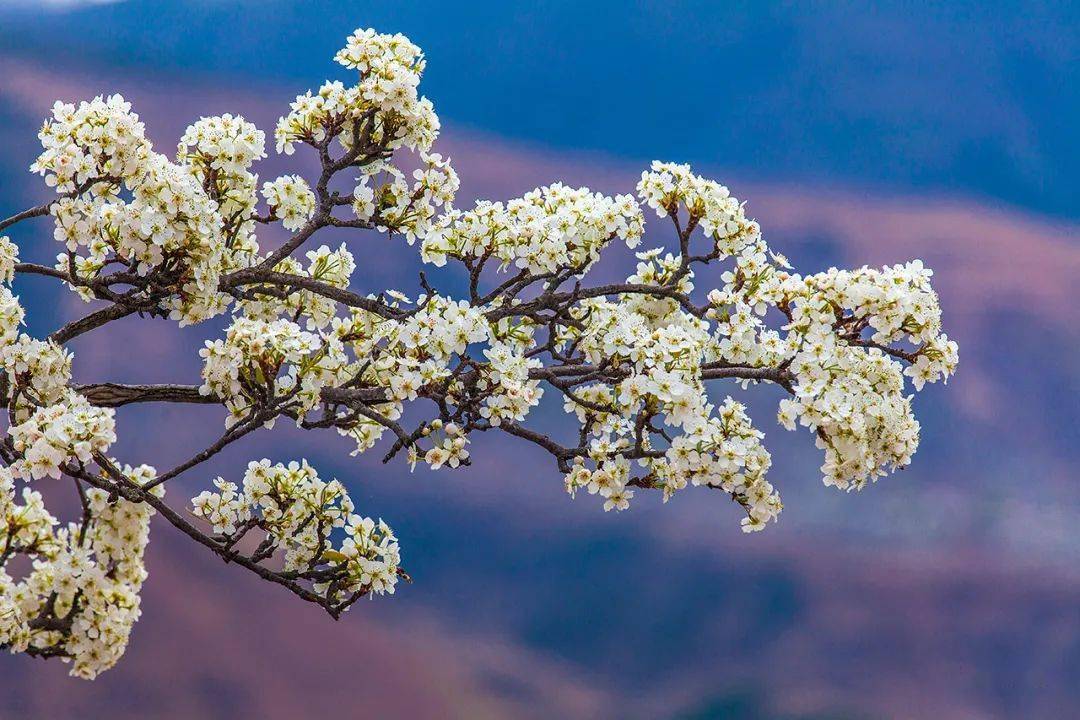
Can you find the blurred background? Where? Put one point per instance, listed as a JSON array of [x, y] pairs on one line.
[[858, 133]]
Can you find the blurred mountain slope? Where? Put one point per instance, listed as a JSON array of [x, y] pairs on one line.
[[219, 646]]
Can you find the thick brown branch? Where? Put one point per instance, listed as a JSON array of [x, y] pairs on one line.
[[35, 269], [910, 357], [33, 212], [341, 295], [94, 320], [780, 376], [115, 394]]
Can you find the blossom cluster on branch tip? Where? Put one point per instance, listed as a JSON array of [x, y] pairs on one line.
[[291, 200], [296, 511], [80, 600], [549, 228], [636, 364]]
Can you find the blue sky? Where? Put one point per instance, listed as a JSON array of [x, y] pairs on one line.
[[961, 98]]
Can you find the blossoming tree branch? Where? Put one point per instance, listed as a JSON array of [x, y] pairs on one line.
[[142, 233]]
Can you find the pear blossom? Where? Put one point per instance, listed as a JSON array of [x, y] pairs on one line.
[[636, 365]]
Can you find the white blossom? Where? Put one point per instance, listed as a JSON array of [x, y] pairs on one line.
[[633, 362], [300, 513], [9, 257], [290, 198]]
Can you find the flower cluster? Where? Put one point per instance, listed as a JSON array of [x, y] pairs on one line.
[[385, 99], [849, 388], [98, 140], [609, 479], [448, 445], [659, 351], [27, 526], [549, 228], [9, 257], [169, 225], [667, 187], [403, 356], [725, 452], [220, 152], [71, 429], [936, 360], [261, 364], [224, 148], [291, 200], [508, 391], [418, 348], [172, 219], [11, 316], [11, 311], [38, 372], [390, 68], [299, 513], [396, 205], [831, 351], [80, 599]]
